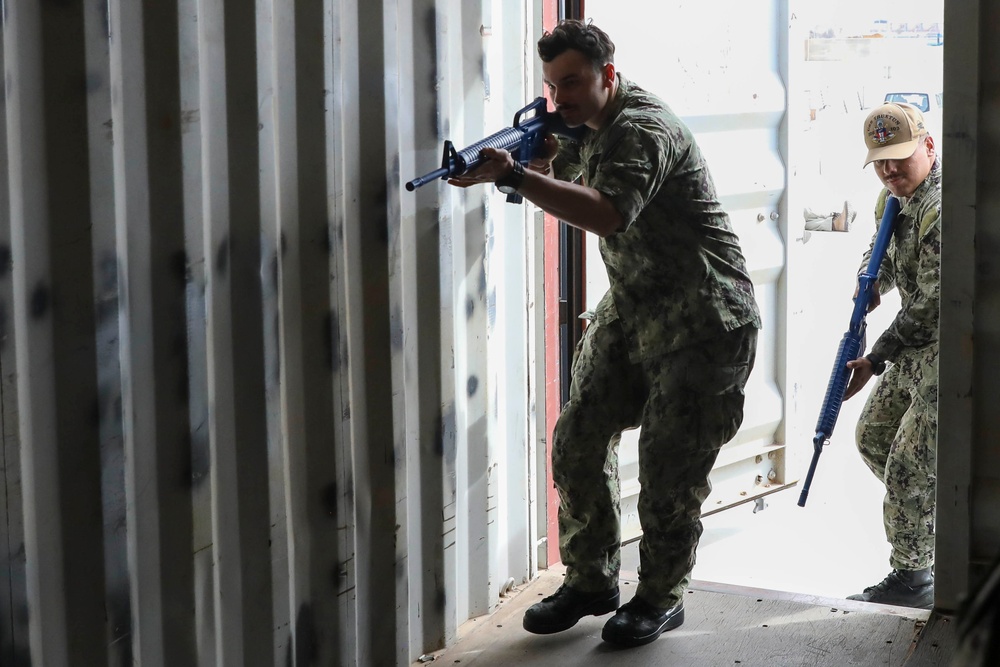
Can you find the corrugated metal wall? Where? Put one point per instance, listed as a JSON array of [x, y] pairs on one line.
[[260, 405]]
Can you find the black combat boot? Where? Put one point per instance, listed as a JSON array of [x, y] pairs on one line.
[[561, 610], [904, 588], [638, 623]]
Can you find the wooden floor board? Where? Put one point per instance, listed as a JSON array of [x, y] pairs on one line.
[[938, 643]]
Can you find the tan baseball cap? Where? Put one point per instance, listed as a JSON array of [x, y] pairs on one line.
[[892, 132]]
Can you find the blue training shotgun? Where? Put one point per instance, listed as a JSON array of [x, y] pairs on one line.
[[524, 140], [852, 344]]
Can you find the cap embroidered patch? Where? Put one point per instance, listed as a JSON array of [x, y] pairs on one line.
[[892, 132], [882, 135]]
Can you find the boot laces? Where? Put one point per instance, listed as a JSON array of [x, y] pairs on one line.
[[891, 581], [555, 595]]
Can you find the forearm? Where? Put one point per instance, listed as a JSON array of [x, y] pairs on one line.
[[577, 205]]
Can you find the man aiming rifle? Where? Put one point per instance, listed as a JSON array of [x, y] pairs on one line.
[[669, 349]]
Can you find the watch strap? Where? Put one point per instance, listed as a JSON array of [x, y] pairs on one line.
[[877, 362], [512, 181]]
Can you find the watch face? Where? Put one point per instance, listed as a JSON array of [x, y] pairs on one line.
[[509, 184]]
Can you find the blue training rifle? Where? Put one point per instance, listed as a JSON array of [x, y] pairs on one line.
[[852, 344], [524, 140]]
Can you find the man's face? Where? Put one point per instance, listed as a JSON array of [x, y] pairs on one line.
[[579, 92], [903, 177]]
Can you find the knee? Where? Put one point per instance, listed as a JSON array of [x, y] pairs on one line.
[[863, 436]]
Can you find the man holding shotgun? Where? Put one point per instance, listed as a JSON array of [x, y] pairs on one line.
[[897, 430]]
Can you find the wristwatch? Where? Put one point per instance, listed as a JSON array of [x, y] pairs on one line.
[[512, 181], [877, 362]]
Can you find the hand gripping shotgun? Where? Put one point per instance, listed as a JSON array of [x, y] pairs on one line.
[[524, 140], [852, 344]]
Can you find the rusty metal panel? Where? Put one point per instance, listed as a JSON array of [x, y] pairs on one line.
[[466, 252], [378, 467], [148, 189], [465, 123], [509, 59], [235, 348], [51, 234], [198, 398], [290, 419], [304, 370], [269, 33], [343, 143], [107, 312], [14, 648], [421, 315]]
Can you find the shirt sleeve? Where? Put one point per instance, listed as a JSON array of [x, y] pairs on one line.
[[916, 323], [635, 162]]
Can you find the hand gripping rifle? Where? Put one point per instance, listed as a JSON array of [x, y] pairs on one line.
[[524, 140], [852, 344]]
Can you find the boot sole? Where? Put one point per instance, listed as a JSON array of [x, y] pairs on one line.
[[595, 608], [912, 604]]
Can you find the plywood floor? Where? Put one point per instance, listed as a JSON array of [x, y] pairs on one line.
[[725, 625]]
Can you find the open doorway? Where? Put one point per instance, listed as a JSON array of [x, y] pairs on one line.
[[776, 93]]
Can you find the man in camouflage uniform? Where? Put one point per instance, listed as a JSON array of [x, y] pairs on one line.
[[897, 431], [669, 348]]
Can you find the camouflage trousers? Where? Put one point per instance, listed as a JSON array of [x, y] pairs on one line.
[[897, 438], [688, 404]]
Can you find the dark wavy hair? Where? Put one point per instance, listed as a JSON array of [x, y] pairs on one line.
[[586, 38]]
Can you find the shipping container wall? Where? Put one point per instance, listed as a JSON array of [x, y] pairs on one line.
[[261, 404]]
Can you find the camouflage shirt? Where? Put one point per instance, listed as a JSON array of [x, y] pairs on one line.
[[912, 264], [677, 273]]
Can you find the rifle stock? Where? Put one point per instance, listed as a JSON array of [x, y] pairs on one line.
[[524, 140], [851, 345]]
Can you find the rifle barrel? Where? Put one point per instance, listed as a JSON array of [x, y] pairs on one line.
[[426, 178], [852, 344], [818, 449]]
